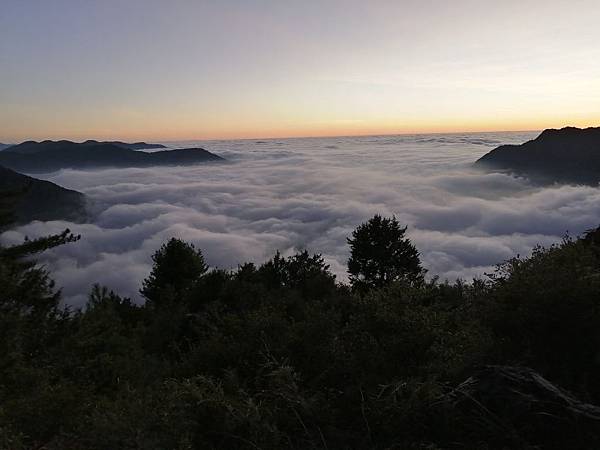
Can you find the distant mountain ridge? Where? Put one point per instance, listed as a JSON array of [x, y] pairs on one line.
[[4, 146], [34, 199], [130, 146], [566, 155], [28, 147], [49, 156]]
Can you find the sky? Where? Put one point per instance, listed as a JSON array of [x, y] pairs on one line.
[[193, 69]]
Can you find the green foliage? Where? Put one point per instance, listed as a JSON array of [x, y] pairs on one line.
[[547, 313], [281, 356], [380, 255], [31, 247], [35, 400], [177, 266]]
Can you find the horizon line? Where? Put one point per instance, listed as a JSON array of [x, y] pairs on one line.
[[325, 136], [161, 140], [316, 136]]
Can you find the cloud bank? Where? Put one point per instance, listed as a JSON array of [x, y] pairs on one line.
[[310, 194]]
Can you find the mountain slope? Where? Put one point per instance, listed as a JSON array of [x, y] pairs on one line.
[[49, 156], [565, 155], [34, 199]]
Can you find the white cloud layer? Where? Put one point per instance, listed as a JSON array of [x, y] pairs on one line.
[[311, 193]]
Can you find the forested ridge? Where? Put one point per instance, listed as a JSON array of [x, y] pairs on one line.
[[281, 355]]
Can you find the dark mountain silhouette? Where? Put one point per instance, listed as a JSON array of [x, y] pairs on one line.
[[566, 155], [28, 147], [130, 146], [33, 199], [4, 146], [48, 156]]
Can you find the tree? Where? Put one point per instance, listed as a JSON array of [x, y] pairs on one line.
[[380, 254], [177, 267], [26, 286], [308, 274]]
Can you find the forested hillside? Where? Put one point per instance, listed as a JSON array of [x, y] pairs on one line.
[[32, 199]]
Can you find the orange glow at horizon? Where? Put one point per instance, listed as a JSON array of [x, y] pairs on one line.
[[325, 130]]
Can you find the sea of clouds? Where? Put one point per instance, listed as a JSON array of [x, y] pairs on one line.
[[310, 194]]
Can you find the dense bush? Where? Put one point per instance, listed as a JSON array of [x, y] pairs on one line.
[[281, 355]]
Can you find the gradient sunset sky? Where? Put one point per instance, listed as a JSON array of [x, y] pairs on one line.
[[176, 69]]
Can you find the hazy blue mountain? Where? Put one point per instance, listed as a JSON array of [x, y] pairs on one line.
[[48, 156], [40, 200], [565, 155], [4, 146]]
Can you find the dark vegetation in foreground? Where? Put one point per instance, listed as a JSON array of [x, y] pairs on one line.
[[281, 356]]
